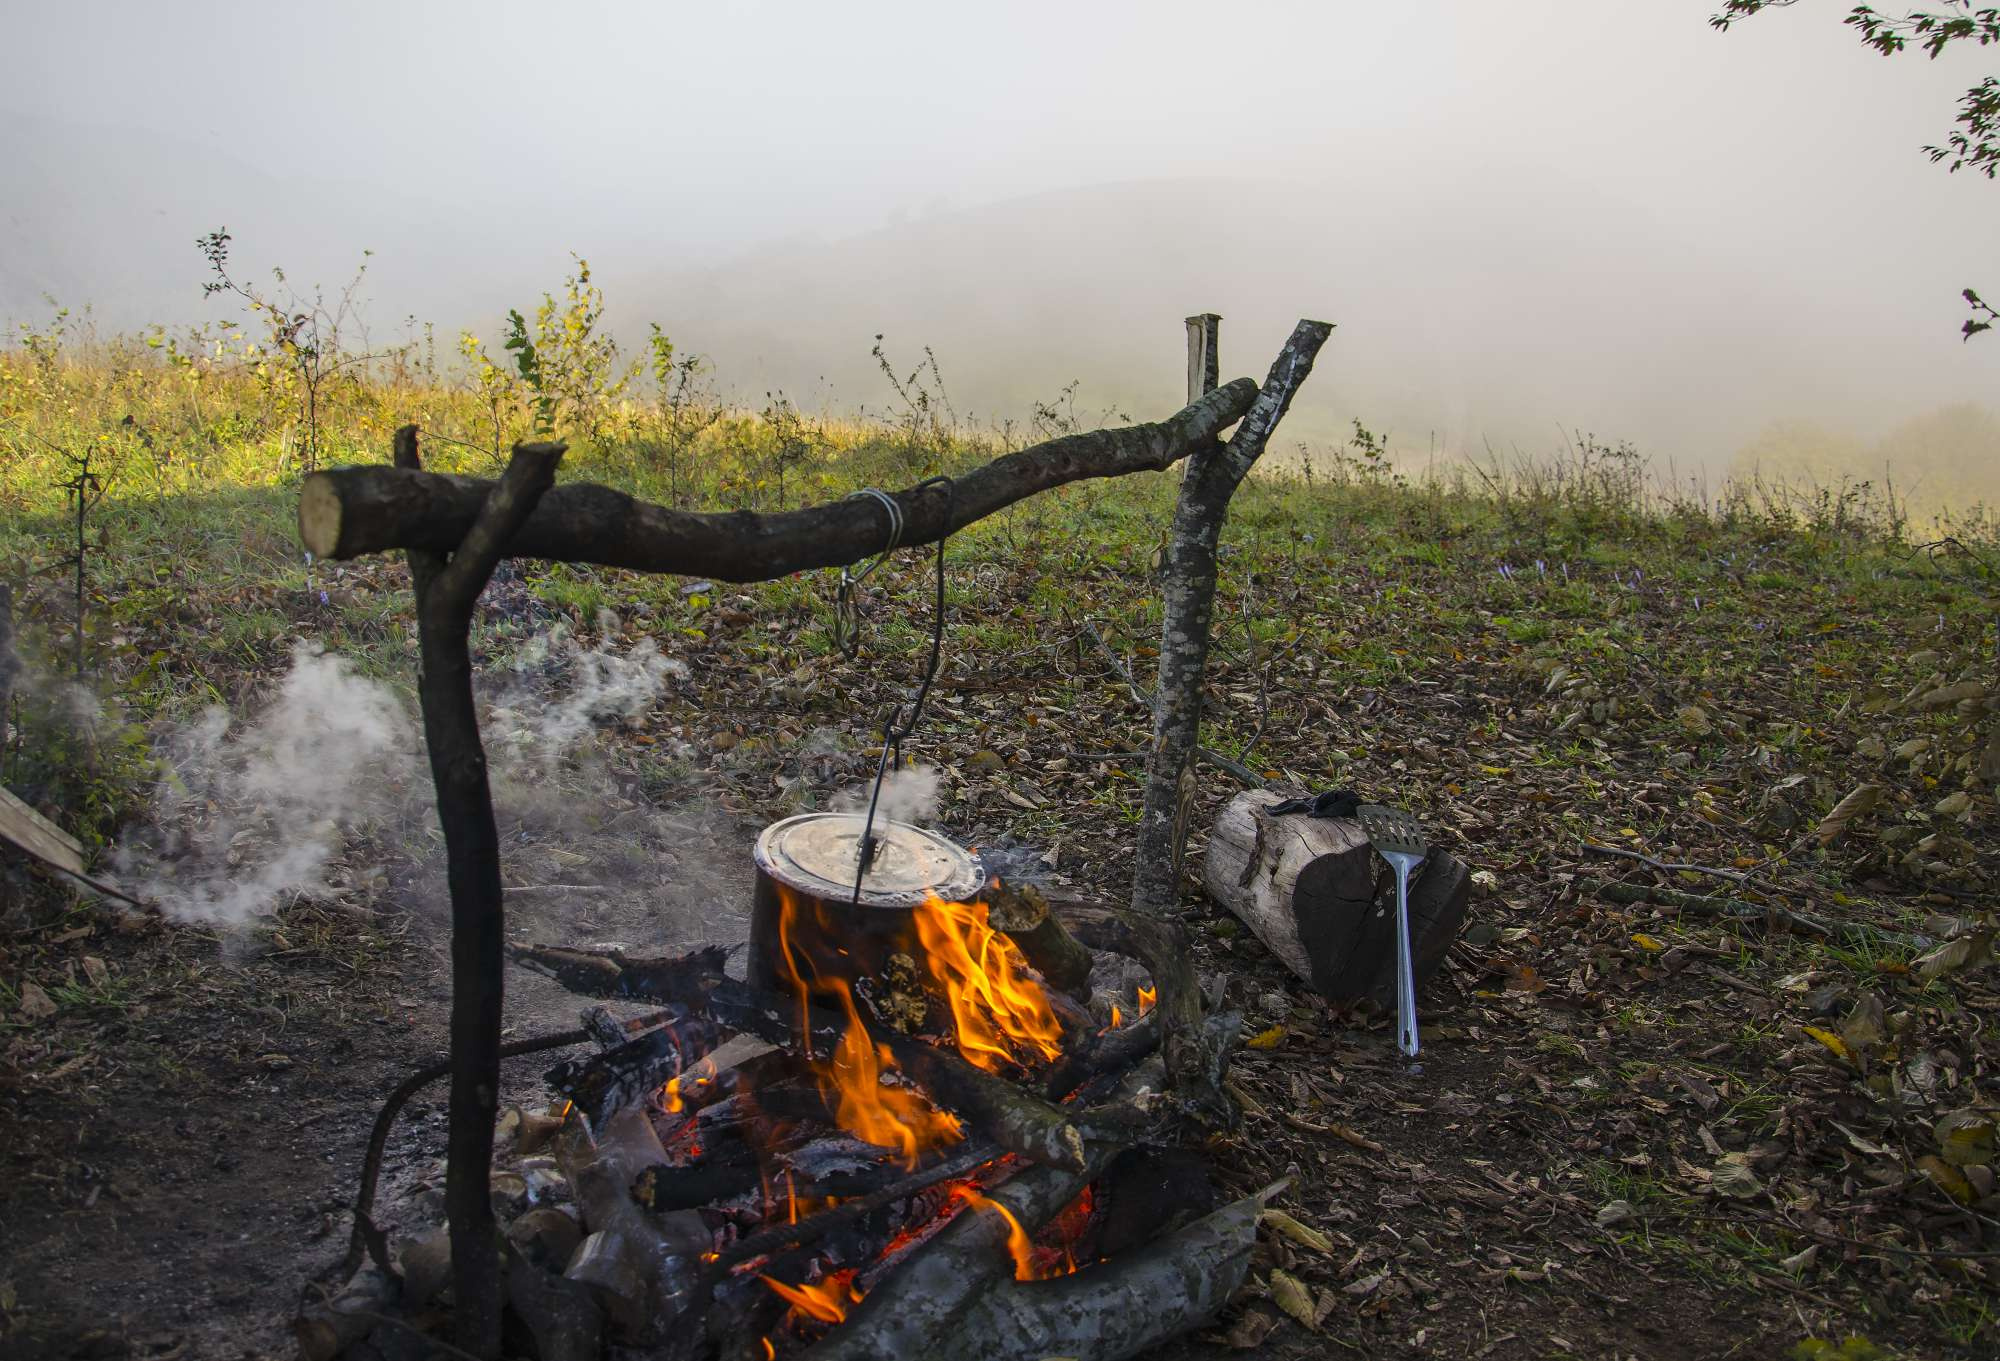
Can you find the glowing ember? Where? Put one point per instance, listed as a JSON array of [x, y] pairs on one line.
[[826, 1301], [1001, 1014]]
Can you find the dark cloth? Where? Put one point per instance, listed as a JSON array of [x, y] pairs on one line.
[[1334, 803]]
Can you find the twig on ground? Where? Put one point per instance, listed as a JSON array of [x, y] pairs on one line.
[[1736, 909]]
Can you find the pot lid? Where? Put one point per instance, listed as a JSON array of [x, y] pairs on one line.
[[817, 853]]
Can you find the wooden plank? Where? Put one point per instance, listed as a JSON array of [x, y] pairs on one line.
[[38, 836]]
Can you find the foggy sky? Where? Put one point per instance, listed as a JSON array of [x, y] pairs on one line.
[[1522, 216]]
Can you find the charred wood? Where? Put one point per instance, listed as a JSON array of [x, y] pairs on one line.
[[1195, 1054], [606, 1083]]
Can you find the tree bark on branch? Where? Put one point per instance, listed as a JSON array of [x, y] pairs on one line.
[[1188, 593], [349, 512], [446, 590]]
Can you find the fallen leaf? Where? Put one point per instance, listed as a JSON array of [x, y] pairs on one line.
[[95, 970], [1266, 1039], [1800, 1262], [1614, 1212], [1250, 1331], [1733, 1176], [1833, 1042], [1955, 954], [36, 1004], [1859, 801], [1947, 1178], [1303, 1234], [1289, 1293], [1953, 805], [1700, 1089], [1367, 1285], [1965, 1137]]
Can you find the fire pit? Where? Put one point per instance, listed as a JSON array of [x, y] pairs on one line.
[[897, 1136]]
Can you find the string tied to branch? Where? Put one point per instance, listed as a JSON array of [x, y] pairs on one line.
[[903, 720], [847, 599]]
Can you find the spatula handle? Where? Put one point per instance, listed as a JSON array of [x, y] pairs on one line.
[[1406, 983]]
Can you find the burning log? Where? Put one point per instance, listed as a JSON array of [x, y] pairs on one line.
[[1015, 1119], [350, 512], [1024, 915], [1119, 1308], [1194, 1052], [1313, 890], [606, 1083], [908, 1312]]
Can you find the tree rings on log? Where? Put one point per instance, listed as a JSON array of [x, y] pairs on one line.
[[1314, 891]]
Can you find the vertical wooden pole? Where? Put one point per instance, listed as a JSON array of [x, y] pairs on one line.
[[447, 590], [1204, 367]]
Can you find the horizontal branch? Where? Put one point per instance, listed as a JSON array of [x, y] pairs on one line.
[[351, 512]]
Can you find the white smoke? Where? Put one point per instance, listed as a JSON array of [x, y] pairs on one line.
[[597, 685], [259, 810], [908, 795], [253, 812]]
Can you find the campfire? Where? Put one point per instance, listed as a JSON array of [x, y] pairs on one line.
[[931, 1114]]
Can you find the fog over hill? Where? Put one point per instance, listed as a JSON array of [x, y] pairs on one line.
[[1583, 217]]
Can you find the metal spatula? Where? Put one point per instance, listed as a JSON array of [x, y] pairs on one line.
[[1400, 841]]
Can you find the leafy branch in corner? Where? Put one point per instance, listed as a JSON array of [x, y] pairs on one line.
[[1975, 143]]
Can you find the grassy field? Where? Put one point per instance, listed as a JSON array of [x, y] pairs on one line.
[[1643, 1128]]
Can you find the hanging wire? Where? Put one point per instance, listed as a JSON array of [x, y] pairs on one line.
[[846, 600], [904, 719]]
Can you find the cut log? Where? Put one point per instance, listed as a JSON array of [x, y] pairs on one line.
[[1314, 891]]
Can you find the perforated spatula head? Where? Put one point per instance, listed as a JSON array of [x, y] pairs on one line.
[[1392, 830]]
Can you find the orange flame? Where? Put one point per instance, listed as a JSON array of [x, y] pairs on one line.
[[1147, 996], [1117, 1016], [700, 1075], [827, 1301], [1018, 1245], [1000, 1012], [888, 1117]]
